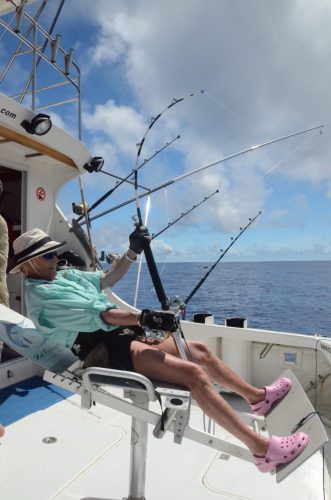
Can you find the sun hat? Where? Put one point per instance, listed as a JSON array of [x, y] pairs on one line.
[[31, 244]]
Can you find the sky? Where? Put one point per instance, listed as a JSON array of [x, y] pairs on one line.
[[264, 69]]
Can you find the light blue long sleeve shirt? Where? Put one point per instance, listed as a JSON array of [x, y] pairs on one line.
[[69, 304]]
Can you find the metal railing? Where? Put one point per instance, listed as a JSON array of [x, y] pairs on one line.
[[33, 44]]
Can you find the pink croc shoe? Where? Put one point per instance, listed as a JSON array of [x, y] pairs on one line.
[[281, 451], [273, 393]]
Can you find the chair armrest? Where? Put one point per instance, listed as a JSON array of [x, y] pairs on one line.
[[105, 376]]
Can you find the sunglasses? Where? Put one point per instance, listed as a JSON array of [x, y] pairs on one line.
[[49, 255]]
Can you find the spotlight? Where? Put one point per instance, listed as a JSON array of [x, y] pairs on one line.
[[39, 125], [95, 164]]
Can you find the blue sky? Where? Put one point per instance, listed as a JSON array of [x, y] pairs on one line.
[[264, 67]]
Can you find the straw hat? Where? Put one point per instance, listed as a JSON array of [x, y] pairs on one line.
[[31, 244]]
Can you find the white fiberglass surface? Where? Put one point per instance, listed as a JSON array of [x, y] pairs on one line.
[[90, 460]]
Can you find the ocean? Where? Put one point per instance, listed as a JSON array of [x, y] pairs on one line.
[[283, 296]]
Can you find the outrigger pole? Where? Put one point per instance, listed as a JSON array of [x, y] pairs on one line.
[[200, 169]]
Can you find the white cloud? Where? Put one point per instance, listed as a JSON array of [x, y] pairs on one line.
[[160, 248], [265, 68], [120, 124], [246, 60]]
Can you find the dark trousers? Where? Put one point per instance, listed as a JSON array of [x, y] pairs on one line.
[[107, 349]]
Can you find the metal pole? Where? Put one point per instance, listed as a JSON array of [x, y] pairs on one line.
[[24, 91], [20, 45], [34, 69], [138, 453], [88, 229]]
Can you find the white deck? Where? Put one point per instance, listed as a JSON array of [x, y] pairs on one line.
[[90, 460]]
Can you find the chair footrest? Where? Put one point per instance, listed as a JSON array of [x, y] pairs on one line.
[[296, 413]]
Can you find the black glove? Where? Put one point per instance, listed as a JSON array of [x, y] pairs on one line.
[[139, 239], [158, 320]]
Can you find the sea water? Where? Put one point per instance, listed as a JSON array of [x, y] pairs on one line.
[[283, 296]]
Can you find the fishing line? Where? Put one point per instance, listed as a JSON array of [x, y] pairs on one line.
[[168, 219], [147, 208], [287, 156], [166, 204], [204, 167], [233, 240], [183, 214], [126, 179], [140, 145], [221, 104], [165, 263]]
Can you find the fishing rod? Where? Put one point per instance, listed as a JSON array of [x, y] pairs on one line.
[[158, 286], [118, 184], [183, 215], [122, 179], [203, 279], [135, 299], [153, 271], [191, 172]]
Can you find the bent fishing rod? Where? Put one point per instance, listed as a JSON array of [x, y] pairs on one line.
[[203, 279], [200, 169], [157, 283], [183, 214], [158, 286]]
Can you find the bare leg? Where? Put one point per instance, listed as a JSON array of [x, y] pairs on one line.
[[2, 430], [158, 364], [217, 370]]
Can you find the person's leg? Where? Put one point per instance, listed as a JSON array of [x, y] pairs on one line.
[[217, 370], [160, 365], [2, 430]]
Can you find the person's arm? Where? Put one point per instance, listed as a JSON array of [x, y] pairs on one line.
[[118, 317], [138, 240], [147, 318], [118, 269]]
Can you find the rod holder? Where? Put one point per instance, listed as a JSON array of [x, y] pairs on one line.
[[54, 47], [68, 62], [19, 16]]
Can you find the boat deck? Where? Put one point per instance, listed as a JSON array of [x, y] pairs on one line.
[[90, 460]]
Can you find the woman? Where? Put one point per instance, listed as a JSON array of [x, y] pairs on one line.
[[69, 307]]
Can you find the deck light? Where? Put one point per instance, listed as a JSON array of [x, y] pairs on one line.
[[39, 125], [95, 164]]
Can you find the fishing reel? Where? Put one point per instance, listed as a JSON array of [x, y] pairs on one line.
[[110, 258], [156, 335], [80, 208], [176, 304]]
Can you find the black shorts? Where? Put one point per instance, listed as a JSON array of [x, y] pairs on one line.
[[107, 349]]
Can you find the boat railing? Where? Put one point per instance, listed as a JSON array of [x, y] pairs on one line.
[[40, 44]]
